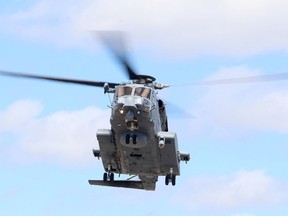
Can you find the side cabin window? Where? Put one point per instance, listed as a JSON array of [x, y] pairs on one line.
[[143, 92], [123, 90]]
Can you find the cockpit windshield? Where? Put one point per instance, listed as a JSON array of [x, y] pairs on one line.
[[123, 90], [138, 91], [143, 92]]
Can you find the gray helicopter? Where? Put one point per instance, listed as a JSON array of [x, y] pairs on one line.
[[138, 142]]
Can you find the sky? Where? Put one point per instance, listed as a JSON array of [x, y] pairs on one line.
[[236, 134]]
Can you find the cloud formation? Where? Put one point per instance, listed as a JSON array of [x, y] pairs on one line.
[[242, 107], [65, 136], [174, 27], [235, 191]]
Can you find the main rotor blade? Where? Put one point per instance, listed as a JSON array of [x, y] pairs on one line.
[[114, 41], [248, 79], [177, 112], [58, 79]]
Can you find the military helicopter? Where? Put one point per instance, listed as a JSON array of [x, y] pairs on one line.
[[138, 142]]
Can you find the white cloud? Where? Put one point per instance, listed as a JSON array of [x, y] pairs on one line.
[[176, 27], [242, 107], [48, 21], [66, 136], [236, 191], [18, 114]]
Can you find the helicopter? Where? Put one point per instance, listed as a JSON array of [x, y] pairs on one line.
[[138, 142]]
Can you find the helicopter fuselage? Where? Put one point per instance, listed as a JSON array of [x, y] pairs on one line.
[[138, 142]]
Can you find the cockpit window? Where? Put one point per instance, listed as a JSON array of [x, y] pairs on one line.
[[123, 90], [143, 92]]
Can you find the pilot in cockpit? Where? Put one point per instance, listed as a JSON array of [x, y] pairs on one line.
[[123, 90], [139, 91], [143, 92]]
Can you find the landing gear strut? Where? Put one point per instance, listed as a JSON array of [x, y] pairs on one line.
[[170, 178], [108, 176]]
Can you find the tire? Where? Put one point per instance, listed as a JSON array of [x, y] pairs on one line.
[[127, 139], [112, 177], [134, 139], [105, 177], [167, 179], [173, 180]]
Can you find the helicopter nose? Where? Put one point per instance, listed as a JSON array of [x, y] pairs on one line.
[[130, 107], [130, 104], [131, 101]]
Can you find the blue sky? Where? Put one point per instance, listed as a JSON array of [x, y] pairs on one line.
[[237, 136]]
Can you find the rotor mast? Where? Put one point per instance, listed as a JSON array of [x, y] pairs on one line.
[[148, 80]]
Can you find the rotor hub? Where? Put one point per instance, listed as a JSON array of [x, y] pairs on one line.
[[144, 79]]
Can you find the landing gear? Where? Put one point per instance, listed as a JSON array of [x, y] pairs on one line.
[[108, 176], [131, 138], [105, 177], [111, 176], [167, 179], [170, 178]]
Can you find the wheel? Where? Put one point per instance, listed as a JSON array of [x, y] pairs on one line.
[[167, 179], [134, 139], [105, 177], [173, 180], [127, 139], [111, 177]]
